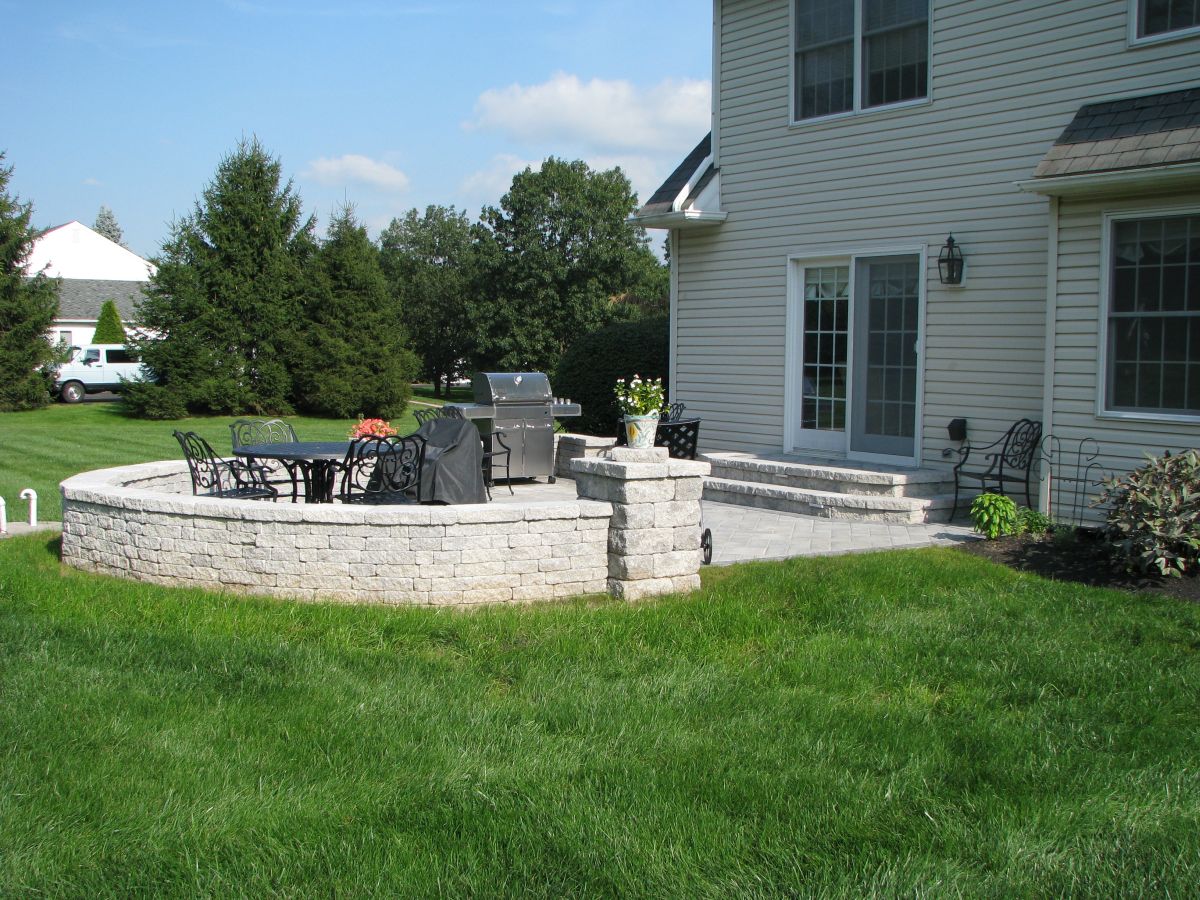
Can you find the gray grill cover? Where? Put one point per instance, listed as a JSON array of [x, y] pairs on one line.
[[453, 468], [511, 387]]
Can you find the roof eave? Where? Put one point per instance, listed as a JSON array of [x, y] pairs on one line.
[[1166, 177], [690, 218]]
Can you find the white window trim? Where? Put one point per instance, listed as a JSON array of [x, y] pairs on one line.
[[1134, 40], [1108, 221], [859, 109], [797, 262]]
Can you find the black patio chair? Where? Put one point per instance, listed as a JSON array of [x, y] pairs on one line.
[[228, 478], [244, 432], [380, 470], [424, 415], [494, 459], [1006, 467], [674, 412]]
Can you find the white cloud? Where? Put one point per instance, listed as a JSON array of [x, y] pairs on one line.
[[489, 184], [93, 182], [598, 114], [352, 168]]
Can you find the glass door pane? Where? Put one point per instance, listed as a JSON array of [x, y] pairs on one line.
[[886, 331], [824, 355]]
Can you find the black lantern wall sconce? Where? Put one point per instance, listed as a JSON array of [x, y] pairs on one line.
[[950, 263]]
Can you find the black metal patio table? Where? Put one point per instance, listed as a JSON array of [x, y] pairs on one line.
[[318, 461]]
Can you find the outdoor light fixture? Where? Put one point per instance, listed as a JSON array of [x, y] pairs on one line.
[[957, 430], [950, 263]]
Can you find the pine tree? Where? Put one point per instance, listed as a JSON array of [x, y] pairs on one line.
[[223, 307], [106, 224], [28, 307], [109, 329], [355, 359]]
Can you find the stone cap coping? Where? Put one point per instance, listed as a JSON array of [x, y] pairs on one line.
[[636, 471], [587, 440], [118, 487]]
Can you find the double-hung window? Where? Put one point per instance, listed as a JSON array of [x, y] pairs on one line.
[[852, 55], [1162, 18], [1153, 357]]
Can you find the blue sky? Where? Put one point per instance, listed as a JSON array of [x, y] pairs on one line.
[[387, 105]]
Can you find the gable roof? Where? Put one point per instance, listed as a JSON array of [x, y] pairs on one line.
[[663, 200], [81, 298], [1133, 133]]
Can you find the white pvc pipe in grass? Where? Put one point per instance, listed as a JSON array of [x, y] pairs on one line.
[[3, 517], [31, 495]]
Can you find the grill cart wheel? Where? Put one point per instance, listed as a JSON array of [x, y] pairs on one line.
[[706, 545]]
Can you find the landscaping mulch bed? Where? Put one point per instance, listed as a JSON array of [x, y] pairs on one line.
[[1078, 557]]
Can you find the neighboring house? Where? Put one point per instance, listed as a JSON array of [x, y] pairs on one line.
[[93, 269], [1058, 142]]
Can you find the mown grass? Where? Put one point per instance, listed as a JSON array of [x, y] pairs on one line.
[[40, 448], [920, 723]]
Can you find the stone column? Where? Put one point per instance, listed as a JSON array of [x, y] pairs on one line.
[[654, 534]]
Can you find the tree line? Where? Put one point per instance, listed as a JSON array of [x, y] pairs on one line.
[[251, 311]]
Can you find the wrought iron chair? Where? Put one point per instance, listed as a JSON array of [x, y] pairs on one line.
[[1007, 467], [494, 459], [674, 412], [680, 437], [244, 432], [424, 415], [383, 470], [228, 478]]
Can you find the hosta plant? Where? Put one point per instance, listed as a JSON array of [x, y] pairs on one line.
[[1153, 522], [994, 515]]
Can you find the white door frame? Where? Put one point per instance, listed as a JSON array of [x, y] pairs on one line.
[[797, 262]]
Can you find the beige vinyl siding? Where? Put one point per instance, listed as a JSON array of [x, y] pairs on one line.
[[1077, 349], [1006, 78]]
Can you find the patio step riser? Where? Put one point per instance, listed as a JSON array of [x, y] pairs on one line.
[[830, 481], [827, 505]]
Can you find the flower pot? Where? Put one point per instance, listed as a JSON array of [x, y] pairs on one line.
[[640, 430]]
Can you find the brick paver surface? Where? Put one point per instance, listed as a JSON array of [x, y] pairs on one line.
[[744, 534]]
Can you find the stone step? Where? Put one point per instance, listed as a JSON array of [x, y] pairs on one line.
[[829, 504], [837, 477]]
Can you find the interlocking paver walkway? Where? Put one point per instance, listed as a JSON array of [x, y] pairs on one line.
[[744, 534]]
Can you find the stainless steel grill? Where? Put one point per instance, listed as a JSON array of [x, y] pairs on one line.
[[521, 405]]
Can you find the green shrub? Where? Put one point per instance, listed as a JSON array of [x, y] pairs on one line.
[[994, 515], [147, 400], [591, 366], [109, 329], [1031, 521], [1154, 515]]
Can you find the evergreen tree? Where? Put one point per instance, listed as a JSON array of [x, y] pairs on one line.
[[554, 253], [427, 259], [106, 224], [355, 359], [28, 307], [223, 307], [109, 329]]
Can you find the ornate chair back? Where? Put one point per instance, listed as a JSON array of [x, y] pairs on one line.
[[1020, 444], [202, 462], [246, 432], [424, 415], [383, 470]]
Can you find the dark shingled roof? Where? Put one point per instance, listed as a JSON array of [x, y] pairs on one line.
[[81, 298], [660, 201], [1154, 130]]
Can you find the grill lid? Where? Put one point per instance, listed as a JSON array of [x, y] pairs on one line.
[[511, 387]]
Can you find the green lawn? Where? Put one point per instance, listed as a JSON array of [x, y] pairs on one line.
[[38, 449], [906, 724]]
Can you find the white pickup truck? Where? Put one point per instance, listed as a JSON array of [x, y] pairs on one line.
[[95, 368]]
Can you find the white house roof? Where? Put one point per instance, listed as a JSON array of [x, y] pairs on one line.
[[75, 251]]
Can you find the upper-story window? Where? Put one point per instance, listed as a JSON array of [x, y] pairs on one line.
[[1166, 17], [858, 54]]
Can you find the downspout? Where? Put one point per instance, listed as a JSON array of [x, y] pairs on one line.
[[673, 324], [1051, 348], [715, 124]]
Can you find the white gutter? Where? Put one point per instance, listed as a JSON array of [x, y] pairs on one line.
[[1168, 176]]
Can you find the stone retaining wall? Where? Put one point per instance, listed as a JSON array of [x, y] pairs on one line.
[[633, 530]]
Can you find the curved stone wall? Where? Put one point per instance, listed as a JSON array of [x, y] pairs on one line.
[[143, 522]]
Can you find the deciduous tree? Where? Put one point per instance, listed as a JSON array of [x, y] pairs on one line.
[[28, 307], [428, 258], [553, 254]]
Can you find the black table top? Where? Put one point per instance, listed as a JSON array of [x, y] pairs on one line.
[[301, 450]]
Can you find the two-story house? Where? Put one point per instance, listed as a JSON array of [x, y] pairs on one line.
[[1058, 143]]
